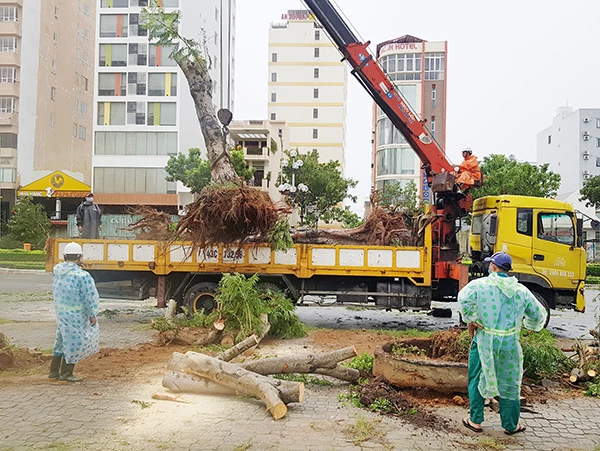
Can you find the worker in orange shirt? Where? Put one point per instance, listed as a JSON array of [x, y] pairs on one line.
[[469, 174]]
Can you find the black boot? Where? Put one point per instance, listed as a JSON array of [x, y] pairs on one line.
[[66, 372], [55, 367]]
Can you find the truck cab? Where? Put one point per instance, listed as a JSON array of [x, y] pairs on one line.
[[543, 237]]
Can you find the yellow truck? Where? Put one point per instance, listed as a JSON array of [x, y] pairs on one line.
[[544, 238], [542, 235]]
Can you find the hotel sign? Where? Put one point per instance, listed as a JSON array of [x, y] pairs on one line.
[[298, 14], [411, 47]]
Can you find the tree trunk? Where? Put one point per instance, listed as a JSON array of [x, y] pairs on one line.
[[300, 364], [231, 375], [201, 88]]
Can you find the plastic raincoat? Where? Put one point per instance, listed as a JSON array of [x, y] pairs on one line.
[[469, 172], [76, 300], [501, 305]]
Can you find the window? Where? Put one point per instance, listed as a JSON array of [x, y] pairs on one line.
[[476, 224], [273, 57], [9, 14], [273, 116], [84, 83], [388, 134], [52, 118], [315, 93], [52, 93], [597, 142], [402, 66], [132, 181], [111, 84], [315, 113], [113, 25], [74, 130], [315, 133], [53, 67], [136, 113], [432, 126], [434, 66], [135, 143], [55, 38], [216, 14], [549, 139], [597, 162], [114, 3], [597, 123], [8, 45], [159, 55], [556, 227], [8, 175], [113, 55], [111, 113], [273, 97], [316, 72], [163, 114], [316, 52], [135, 28], [161, 84], [273, 76], [136, 83], [433, 97], [138, 2], [8, 75], [525, 221], [317, 35], [395, 161], [7, 105], [169, 3], [56, 12]]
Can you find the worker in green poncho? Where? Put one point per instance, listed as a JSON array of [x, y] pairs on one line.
[[495, 308]]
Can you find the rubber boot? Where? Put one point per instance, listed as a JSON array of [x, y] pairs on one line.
[[55, 367], [66, 372]]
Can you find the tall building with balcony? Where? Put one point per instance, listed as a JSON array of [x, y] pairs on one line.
[[307, 86], [46, 76], [571, 146], [144, 111], [417, 67]]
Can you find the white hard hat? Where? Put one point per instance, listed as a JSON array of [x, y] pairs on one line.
[[468, 150], [73, 249]]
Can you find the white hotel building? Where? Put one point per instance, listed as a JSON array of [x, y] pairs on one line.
[[144, 112], [307, 86]]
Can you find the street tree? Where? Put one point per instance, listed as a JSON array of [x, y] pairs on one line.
[[194, 171], [505, 175], [192, 57], [401, 198], [29, 223], [316, 189], [590, 192]]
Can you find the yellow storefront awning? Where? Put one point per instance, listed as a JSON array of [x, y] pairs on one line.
[[57, 184]]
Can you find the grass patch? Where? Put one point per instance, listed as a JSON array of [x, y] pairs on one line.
[[21, 265], [18, 296], [363, 430], [143, 404], [20, 255], [6, 321], [362, 363]]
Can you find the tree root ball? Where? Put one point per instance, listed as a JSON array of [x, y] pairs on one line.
[[227, 214]]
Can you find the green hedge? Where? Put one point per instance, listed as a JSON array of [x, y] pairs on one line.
[[22, 265], [20, 255], [593, 269]]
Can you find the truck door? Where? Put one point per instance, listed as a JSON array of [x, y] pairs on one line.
[[554, 253]]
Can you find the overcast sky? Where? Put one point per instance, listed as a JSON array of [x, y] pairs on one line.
[[510, 65]]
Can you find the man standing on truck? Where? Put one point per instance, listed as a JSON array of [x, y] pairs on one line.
[[495, 308], [76, 303], [89, 218]]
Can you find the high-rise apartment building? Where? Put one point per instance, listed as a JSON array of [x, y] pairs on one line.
[[418, 69], [46, 79], [144, 111], [571, 146], [307, 86]]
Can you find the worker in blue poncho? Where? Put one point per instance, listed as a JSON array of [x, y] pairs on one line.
[[76, 304], [495, 308]]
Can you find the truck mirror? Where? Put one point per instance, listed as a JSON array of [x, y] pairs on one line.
[[595, 224], [580, 226], [494, 225]]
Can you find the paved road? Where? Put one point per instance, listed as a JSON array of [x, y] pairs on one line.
[[121, 415]]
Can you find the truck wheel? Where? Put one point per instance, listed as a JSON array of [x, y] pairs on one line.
[[201, 297], [266, 287], [542, 301]]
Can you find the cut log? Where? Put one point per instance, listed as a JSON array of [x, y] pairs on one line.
[[576, 375], [591, 374], [300, 364], [171, 309], [340, 372], [236, 350], [213, 336], [227, 339], [232, 376]]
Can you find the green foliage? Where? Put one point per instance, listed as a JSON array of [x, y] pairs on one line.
[[280, 238], [192, 170], [348, 218], [408, 350], [590, 192], [274, 147], [306, 379], [505, 175], [240, 165], [362, 363], [352, 398], [8, 242], [593, 270], [541, 357], [282, 316], [29, 223], [163, 29], [399, 198], [20, 255], [593, 388], [326, 187], [381, 405]]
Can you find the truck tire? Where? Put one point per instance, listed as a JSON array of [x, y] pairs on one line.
[[266, 287], [201, 297], [542, 301]]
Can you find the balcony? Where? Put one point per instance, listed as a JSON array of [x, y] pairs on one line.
[[10, 59], [256, 153], [9, 89], [10, 119]]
